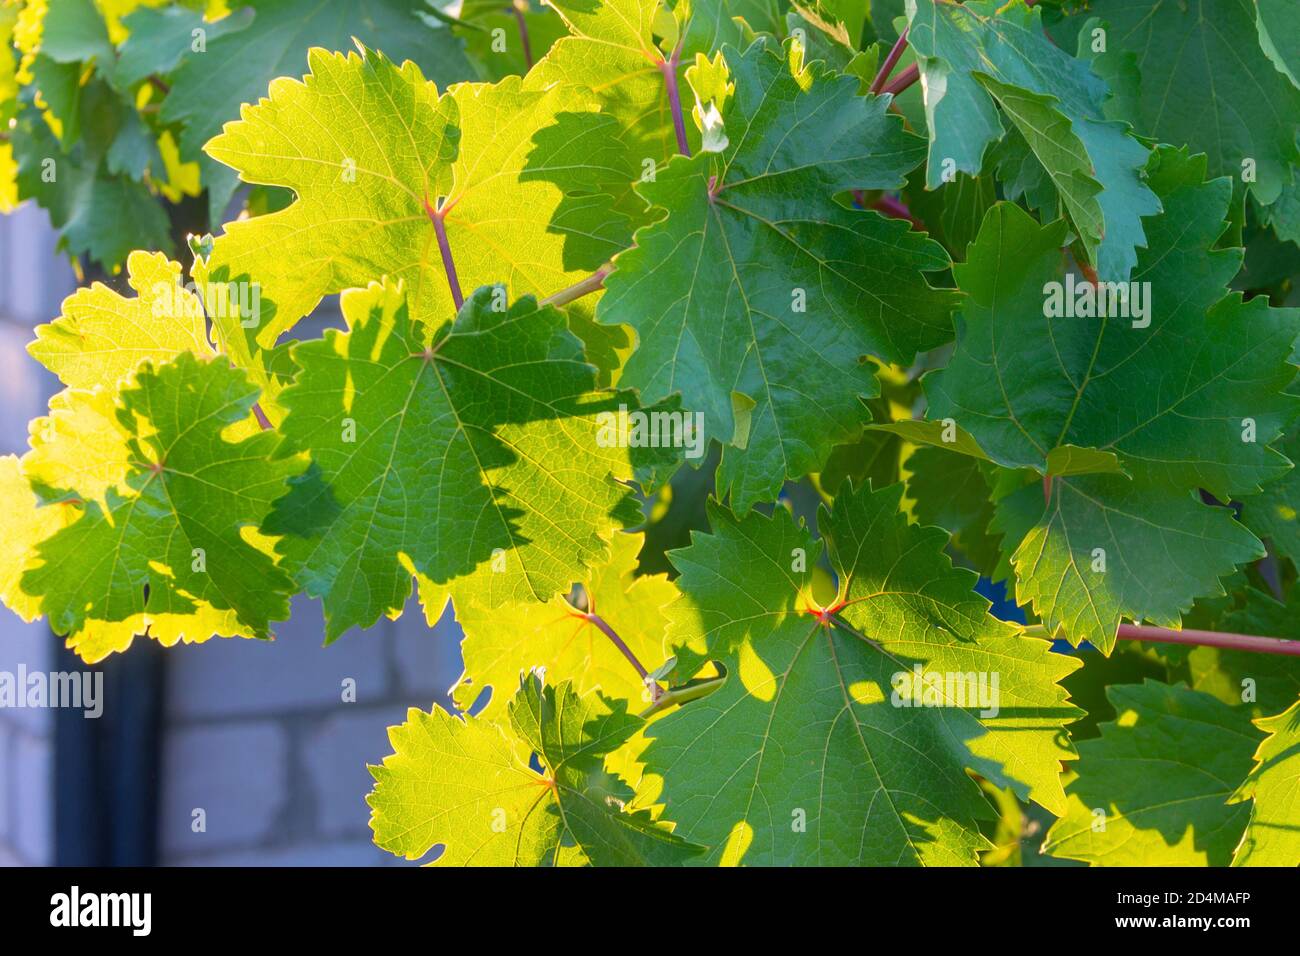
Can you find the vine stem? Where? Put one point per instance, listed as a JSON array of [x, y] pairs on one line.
[[261, 417], [913, 72], [1232, 642], [591, 617], [896, 209], [668, 68], [903, 80], [891, 61], [437, 217], [523, 35]]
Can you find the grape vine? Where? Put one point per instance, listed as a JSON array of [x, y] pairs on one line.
[[713, 360]]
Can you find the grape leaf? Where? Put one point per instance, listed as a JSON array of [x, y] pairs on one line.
[[206, 92], [512, 172], [1279, 36], [1271, 837], [1107, 548], [953, 214], [101, 336], [24, 524], [973, 55], [1161, 774], [466, 452], [96, 212], [172, 541], [1274, 513], [804, 755], [80, 449], [757, 295], [501, 39], [467, 785], [611, 49], [501, 644], [159, 38], [1268, 683], [1241, 109], [1186, 396], [952, 492], [73, 31]]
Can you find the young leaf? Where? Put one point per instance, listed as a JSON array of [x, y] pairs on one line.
[[509, 175], [467, 785], [503, 643], [757, 295]]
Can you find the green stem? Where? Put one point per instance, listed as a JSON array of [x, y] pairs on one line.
[[593, 283]]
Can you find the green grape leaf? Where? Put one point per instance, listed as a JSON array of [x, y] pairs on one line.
[[80, 449], [467, 452], [611, 48], [952, 492], [207, 93], [509, 171], [160, 38], [1204, 82], [1266, 683], [1106, 548], [1271, 837], [757, 296], [1182, 390], [1274, 513], [807, 753], [1279, 36], [97, 213], [80, 452], [74, 31], [1153, 789], [175, 539], [502, 644], [467, 785], [953, 214], [973, 55]]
